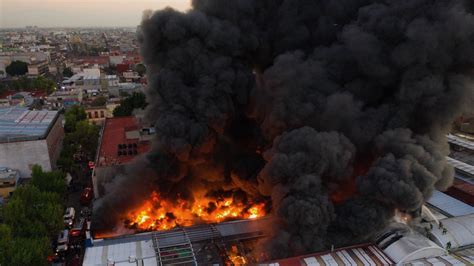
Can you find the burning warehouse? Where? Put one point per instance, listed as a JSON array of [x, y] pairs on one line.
[[327, 116], [212, 244]]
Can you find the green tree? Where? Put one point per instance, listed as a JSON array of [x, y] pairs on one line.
[[29, 251], [42, 83], [17, 68], [32, 213], [65, 161], [49, 181], [99, 101], [141, 69], [5, 244], [135, 101], [85, 138], [74, 115], [67, 72]]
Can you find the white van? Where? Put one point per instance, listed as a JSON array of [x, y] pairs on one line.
[[69, 216], [63, 237]]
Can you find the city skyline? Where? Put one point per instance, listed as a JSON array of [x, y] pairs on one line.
[[83, 13]]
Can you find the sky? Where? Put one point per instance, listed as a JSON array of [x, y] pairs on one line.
[[79, 13]]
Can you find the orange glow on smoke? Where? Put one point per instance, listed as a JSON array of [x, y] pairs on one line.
[[158, 213], [348, 189]]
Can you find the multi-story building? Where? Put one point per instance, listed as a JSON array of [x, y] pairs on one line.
[[131, 76], [28, 138], [122, 139], [64, 98], [40, 68], [97, 114]]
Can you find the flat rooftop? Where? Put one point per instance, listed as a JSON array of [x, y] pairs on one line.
[[21, 124], [118, 147]]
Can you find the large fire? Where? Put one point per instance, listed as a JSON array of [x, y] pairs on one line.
[[158, 213]]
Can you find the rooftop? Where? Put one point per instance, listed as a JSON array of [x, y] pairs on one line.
[[7, 173], [117, 147], [356, 255], [449, 205], [462, 190], [181, 246], [21, 124], [461, 142], [462, 167], [459, 232]]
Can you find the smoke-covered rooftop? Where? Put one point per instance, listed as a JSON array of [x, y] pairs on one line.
[[335, 113]]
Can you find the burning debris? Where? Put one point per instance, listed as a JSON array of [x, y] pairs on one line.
[[160, 214], [334, 113]]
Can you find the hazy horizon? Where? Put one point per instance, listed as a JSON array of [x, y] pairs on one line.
[[79, 13]]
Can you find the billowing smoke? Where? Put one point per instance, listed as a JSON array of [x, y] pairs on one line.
[[335, 110]]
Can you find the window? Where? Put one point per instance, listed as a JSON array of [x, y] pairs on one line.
[[90, 115], [96, 114], [102, 114]]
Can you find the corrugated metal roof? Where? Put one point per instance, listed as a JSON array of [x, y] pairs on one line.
[[121, 253], [17, 123], [442, 260], [458, 231], [357, 255], [461, 142], [161, 247], [464, 167], [449, 205]]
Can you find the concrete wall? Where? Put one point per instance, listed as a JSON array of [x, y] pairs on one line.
[[24, 154], [54, 141]]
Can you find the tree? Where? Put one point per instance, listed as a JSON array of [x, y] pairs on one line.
[[32, 213], [67, 72], [38, 83], [74, 115], [42, 83], [49, 181], [65, 161], [99, 101], [141, 69], [5, 244], [17, 68], [28, 251], [85, 138], [126, 107]]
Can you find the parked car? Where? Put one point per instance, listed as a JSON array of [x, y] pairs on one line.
[[69, 216], [62, 243], [63, 237], [78, 231]]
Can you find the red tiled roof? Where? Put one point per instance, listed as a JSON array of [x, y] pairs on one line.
[[101, 60], [114, 134], [5, 94]]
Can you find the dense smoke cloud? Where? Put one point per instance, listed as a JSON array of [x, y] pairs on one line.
[[336, 110]]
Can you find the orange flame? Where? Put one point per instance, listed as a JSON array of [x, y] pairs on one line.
[[237, 260], [158, 213]]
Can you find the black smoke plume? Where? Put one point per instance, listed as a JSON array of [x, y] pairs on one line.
[[336, 110]]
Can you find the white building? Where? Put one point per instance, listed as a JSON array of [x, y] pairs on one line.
[[28, 138], [115, 60]]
